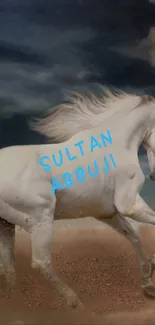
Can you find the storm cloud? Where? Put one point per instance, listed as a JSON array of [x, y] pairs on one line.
[[49, 47]]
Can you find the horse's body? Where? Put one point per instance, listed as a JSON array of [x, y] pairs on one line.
[[25, 188], [21, 173]]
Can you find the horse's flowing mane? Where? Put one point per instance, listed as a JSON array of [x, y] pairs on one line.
[[81, 111]]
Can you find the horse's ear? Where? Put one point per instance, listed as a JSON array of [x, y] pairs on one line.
[[146, 98]]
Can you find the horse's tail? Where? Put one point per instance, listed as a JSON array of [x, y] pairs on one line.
[[67, 119]]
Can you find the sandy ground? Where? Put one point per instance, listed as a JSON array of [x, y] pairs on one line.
[[98, 263]]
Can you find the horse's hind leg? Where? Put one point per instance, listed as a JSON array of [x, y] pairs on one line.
[[41, 243], [7, 269]]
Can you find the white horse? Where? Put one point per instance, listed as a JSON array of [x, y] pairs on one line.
[[25, 189]]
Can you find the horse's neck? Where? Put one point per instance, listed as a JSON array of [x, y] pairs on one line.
[[129, 124], [128, 117], [117, 108], [134, 127]]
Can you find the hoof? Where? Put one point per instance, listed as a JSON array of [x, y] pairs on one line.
[[68, 296], [73, 301], [152, 262], [149, 290], [10, 284]]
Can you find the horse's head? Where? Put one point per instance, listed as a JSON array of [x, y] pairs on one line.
[[149, 145]]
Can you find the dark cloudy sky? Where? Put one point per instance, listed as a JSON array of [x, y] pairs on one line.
[[50, 46]]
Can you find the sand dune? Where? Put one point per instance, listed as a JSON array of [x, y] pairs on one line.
[[99, 264]]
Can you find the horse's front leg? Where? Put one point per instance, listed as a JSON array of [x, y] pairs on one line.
[[120, 224], [41, 243], [128, 203]]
